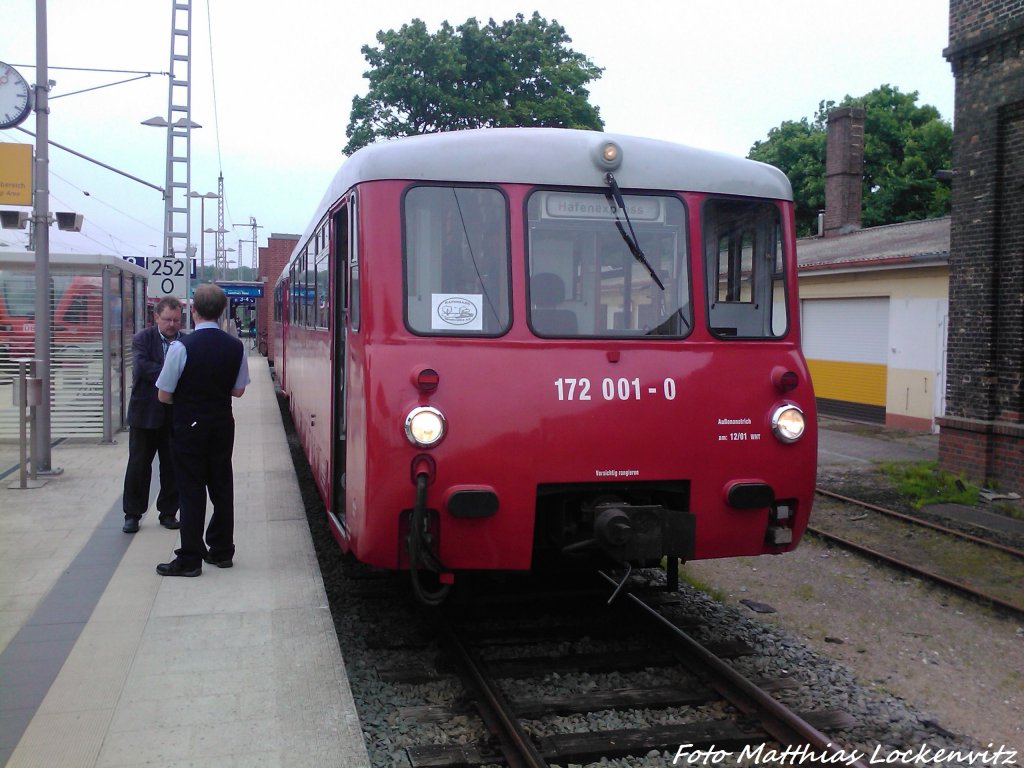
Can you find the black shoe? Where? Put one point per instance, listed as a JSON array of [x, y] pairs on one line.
[[176, 568], [170, 522], [131, 525], [222, 563]]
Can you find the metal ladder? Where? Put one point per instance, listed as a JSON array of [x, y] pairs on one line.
[[177, 204]]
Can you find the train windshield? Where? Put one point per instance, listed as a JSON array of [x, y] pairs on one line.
[[456, 261], [585, 280], [18, 294]]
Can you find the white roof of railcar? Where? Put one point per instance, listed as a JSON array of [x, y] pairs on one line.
[[552, 156]]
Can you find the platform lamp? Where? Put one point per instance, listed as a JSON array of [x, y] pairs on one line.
[[202, 227], [222, 266], [169, 186]]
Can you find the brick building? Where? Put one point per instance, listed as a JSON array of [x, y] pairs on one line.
[[983, 430], [272, 260]]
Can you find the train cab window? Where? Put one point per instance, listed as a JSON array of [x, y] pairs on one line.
[[587, 281], [76, 311], [456, 259], [743, 264]]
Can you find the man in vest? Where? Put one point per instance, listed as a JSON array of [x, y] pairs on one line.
[[201, 374]]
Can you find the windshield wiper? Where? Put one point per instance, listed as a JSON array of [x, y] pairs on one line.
[[630, 237]]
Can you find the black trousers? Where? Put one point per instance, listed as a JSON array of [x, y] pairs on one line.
[[143, 445], [202, 463]]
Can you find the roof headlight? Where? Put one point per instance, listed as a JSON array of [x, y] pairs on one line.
[[608, 155], [788, 423], [424, 426]]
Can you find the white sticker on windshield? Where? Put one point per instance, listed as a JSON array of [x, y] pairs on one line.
[[456, 312]]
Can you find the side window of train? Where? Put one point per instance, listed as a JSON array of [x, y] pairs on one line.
[[310, 295], [323, 300], [585, 280], [456, 261], [293, 301], [339, 249], [354, 307], [743, 266]]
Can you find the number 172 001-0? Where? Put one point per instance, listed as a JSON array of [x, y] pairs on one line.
[[612, 389]]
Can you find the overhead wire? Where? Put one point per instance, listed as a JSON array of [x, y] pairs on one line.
[[114, 239], [216, 114], [117, 244], [217, 139], [213, 84]]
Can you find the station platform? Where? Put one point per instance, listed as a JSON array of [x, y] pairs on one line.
[[104, 663]]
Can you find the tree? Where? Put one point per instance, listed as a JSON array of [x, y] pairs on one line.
[[904, 145], [517, 73]]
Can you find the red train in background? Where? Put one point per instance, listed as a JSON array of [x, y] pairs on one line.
[[509, 348]]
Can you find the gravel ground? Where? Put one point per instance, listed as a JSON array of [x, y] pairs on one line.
[[953, 659]]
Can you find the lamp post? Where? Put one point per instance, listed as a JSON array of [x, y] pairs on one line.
[[240, 258], [186, 125], [180, 123], [41, 431], [202, 227], [222, 267]]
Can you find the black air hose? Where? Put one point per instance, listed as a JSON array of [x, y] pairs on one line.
[[419, 550]]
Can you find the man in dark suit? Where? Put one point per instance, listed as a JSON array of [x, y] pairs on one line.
[[149, 422], [202, 373]]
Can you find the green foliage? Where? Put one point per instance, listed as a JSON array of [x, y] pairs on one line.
[[904, 145], [516, 73], [699, 584], [923, 483], [798, 150]]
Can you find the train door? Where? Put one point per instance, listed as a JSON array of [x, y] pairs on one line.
[[341, 241], [281, 366]]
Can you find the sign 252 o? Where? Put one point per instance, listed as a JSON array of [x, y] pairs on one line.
[[167, 277]]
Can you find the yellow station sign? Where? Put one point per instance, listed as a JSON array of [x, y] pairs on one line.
[[15, 174]]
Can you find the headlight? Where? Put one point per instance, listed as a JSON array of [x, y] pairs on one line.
[[424, 426], [788, 423]]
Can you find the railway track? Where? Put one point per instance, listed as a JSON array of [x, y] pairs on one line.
[[521, 725], [981, 569], [911, 519]]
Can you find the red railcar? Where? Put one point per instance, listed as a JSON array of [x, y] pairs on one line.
[[77, 303], [505, 348]]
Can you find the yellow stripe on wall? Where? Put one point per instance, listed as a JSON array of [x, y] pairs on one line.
[[852, 382]]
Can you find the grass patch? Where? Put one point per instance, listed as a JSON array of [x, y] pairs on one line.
[[1009, 509], [805, 592], [924, 483], [690, 579]]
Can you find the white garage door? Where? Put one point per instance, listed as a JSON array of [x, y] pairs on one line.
[[846, 343]]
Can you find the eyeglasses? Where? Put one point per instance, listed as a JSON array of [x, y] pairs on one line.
[[175, 319]]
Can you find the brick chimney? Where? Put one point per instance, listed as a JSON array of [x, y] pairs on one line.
[[844, 170]]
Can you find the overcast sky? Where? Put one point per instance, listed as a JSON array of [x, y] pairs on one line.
[[713, 75]]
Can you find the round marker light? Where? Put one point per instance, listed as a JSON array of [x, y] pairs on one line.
[[788, 423], [424, 426], [607, 156]]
